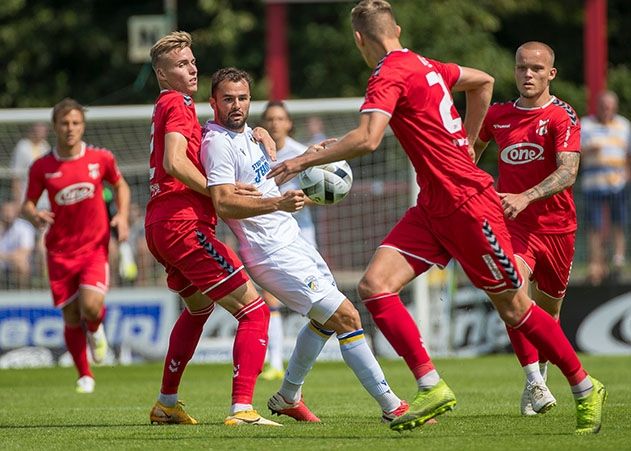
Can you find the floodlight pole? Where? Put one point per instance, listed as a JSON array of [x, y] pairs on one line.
[[276, 51], [595, 50]]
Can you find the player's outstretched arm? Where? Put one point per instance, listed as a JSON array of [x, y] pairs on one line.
[[178, 165], [360, 141], [231, 205], [478, 89]]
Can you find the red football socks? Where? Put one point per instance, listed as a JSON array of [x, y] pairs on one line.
[[92, 326], [524, 350], [77, 347], [248, 351], [182, 343], [399, 328], [546, 334]]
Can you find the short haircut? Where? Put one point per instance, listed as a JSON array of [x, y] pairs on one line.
[[538, 45], [65, 106], [229, 74], [374, 19], [168, 43]]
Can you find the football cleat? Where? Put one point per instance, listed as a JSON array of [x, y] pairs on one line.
[[298, 411], [536, 398], [589, 410], [97, 341], [161, 414], [272, 374], [426, 405], [387, 417], [85, 384], [248, 417]]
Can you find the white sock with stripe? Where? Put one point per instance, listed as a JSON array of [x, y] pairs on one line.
[[361, 360]]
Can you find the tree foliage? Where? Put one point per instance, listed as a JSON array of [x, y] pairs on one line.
[[57, 48]]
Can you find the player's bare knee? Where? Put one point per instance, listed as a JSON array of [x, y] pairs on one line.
[[370, 286], [511, 305], [345, 319]]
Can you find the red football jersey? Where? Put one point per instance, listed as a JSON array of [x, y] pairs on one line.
[[528, 140], [416, 93], [170, 198], [75, 192]]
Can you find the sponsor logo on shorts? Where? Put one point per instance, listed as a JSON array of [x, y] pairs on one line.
[[521, 153], [492, 266], [312, 283], [75, 193]]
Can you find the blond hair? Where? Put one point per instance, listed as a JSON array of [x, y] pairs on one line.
[[374, 19], [168, 43]]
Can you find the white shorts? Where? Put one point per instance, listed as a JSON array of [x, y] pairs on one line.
[[300, 278]]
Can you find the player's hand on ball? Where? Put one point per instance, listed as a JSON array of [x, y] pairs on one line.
[[245, 189], [285, 171], [292, 200]]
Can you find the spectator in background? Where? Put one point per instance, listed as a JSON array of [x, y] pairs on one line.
[[17, 240], [606, 165], [278, 122], [315, 126], [27, 150]]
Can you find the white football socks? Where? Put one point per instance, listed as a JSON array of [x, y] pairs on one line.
[[361, 360], [533, 374], [309, 344]]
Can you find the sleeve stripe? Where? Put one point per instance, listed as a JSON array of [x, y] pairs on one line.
[[375, 110]]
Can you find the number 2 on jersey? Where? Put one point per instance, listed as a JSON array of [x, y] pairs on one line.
[[451, 124]]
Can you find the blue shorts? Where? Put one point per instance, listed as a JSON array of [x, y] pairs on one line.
[[617, 205]]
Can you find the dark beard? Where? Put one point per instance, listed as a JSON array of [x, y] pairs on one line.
[[235, 125]]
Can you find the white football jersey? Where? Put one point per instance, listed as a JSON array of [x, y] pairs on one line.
[[229, 157]]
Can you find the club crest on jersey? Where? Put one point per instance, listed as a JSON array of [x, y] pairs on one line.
[[542, 129], [521, 153], [93, 170], [312, 283], [75, 193]]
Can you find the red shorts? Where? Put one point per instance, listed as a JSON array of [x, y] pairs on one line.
[[67, 274], [475, 235], [548, 256], [194, 259]]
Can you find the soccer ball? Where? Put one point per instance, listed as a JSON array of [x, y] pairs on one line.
[[328, 183]]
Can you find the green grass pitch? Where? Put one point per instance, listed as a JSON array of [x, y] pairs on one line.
[[40, 410]]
